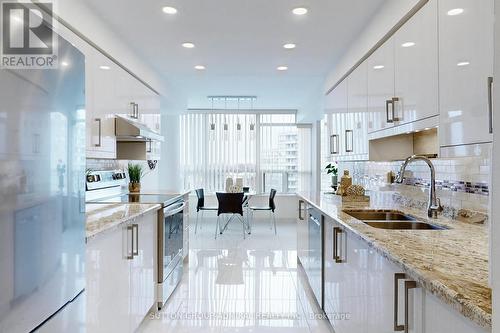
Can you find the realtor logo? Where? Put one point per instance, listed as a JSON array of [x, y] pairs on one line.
[[28, 40]]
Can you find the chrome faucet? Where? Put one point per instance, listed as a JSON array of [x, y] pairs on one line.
[[434, 205]]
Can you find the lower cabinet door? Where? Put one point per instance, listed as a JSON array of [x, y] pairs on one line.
[[381, 292], [302, 235], [107, 281], [441, 317], [352, 310], [345, 278], [142, 269]]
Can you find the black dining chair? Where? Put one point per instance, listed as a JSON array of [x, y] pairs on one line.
[[200, 206], [230, 203], [271, 208]]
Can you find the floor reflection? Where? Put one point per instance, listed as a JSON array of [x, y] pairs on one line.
[[236, 285]]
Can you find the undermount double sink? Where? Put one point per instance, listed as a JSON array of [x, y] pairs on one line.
[[391, 219]]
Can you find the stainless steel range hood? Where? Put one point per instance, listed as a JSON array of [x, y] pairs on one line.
[[128, 129]]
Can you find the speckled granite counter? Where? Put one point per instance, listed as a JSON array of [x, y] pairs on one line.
[[103, 217], [451, 264]]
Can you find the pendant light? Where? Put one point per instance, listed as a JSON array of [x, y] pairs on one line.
[[252, 123], [225, 126], [212, 122], [238, 124]]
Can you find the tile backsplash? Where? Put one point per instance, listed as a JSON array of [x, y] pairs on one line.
[[461, 183], [150, 180]]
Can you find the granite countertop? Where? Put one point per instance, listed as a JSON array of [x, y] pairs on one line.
[[451, 264], [104, 217]]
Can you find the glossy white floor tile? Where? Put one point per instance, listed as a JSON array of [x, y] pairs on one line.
[[240, 285]]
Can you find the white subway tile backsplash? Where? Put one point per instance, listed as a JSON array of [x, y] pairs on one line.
[[461, 182]]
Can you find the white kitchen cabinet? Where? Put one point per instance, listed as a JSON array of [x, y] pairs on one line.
[[381, 295], [440, 317], [380, 82], [108, 282], [100, 75], [335, 109], [347, 118], [345, 279], [302, 234], [359, 286], [356, 125], [143, 268], [416, 66], [465, 64], [120, 276]]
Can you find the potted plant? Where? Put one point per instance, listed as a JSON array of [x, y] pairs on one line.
[[332, 169], [135, 173]]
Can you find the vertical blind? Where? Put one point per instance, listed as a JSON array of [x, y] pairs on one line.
[[209, 156], [262, 149]]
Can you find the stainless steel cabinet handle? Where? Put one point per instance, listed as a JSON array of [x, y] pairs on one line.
[[387, 103], [132, 104], [99, 121], [150, 143], [490, 103], [408, 285], [349, 137], [394, 100], [336, 232], [300, 210], [397, 277], [135, 233], [130, 231], [334, 144], [136, 110]]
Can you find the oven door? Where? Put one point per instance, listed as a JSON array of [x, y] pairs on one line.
[[170, 239]]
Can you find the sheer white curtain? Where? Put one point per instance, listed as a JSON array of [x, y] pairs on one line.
[[217, 146]]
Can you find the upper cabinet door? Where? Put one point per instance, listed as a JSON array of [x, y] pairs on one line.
[[356, 132], [102, 105], [416, 66], [465, 64], [380, 77], [336, 108]]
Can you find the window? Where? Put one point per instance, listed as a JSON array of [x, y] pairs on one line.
[[262, 149], [278, 153]]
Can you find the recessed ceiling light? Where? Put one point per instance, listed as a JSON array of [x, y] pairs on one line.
[[289, 46], [64, 64], [463, 63], [378, 67], [455, 11], [300, 11], [188, 45], [282, 68], [169, 10], [199, 67], [408, 44], [104, 67]]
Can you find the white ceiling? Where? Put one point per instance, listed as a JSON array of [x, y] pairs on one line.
[[240, 43]]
